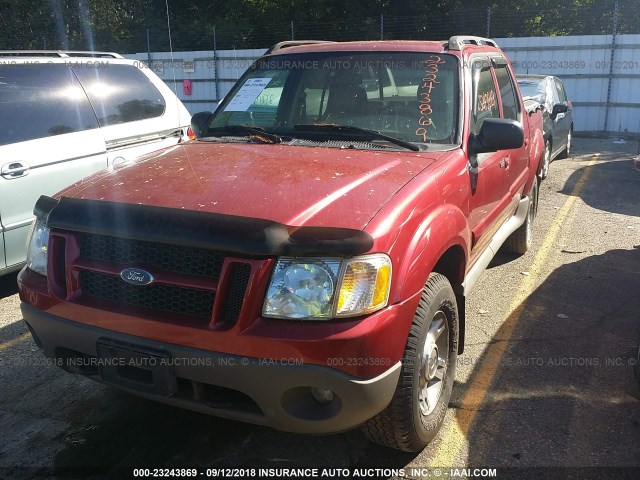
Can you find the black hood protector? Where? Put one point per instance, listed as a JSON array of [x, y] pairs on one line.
[[213, 231]]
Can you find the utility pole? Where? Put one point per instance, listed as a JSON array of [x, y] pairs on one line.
[[215, 65], [488, 22], [613, 52], [148, 49]]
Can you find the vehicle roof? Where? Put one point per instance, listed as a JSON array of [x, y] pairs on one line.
[[382, 46], [58, 54], [64, 60]]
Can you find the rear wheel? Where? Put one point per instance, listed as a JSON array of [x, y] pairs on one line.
[[520, 241], [420, 402]]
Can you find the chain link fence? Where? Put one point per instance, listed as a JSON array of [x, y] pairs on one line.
[[623, 16], [545, 41], [44, 27]]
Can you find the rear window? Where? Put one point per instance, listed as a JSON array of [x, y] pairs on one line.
[[120, 93], [41, 100]]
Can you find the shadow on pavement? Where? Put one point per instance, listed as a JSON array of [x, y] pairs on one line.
[[130, 432], [618, 185], [563, 394], [8, 285], [74, 427]]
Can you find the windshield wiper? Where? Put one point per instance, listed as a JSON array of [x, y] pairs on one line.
[[252, 131], [332, 127]]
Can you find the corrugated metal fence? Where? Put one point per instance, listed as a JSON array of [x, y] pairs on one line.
[[212, 73], [601, 74]]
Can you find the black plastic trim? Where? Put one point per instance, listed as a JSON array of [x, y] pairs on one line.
[[188, 228], [43, 207]]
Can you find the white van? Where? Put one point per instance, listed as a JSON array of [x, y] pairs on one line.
[[65, 115]]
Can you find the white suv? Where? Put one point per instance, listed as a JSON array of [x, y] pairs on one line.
[[65, 115]]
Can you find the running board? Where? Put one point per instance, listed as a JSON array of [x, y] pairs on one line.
[[498, 239]]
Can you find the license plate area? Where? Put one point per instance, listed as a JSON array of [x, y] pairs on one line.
[[136, 368]]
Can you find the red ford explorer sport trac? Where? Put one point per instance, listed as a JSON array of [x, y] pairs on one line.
[[303, 263]]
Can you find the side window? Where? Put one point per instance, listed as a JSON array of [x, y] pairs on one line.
[[510, 106], [562, 96], [120, 93], [41, 100], [485, 103]]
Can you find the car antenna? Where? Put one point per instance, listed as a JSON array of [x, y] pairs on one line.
[[173, 67]]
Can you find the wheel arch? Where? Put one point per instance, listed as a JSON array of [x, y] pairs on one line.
[[548, 137], [452, 264], [440, 244], [536, 153]]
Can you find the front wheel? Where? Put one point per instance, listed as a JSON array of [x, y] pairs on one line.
[[567, 151], [419, 404], [546, 160]]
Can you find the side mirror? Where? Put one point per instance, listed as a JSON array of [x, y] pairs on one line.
[[199, 121], [559, 108], [496, 134]]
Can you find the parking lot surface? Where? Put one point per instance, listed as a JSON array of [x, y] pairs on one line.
[[546, 379]]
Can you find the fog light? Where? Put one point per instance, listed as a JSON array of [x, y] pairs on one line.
[[322, 395]]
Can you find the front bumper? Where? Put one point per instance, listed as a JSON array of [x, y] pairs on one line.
[[270, 392]]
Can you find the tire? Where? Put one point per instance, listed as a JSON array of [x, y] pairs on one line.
[[546, 160], [520, 241], [567, 151], [419, 405]]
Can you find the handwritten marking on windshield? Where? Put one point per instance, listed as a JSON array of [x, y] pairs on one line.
[[429, 81]]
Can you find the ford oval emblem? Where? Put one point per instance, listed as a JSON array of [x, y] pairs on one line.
[[136, 276]]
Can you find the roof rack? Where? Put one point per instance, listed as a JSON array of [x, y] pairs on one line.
[[457, 42], [294, 43], [57, 53]]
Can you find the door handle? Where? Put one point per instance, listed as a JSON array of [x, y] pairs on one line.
[[14, 170], [504, 163]]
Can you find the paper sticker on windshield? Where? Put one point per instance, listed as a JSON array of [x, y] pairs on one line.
[[247, 94]]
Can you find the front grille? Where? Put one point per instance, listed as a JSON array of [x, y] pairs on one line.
[[167, 298], [170, 258], [237, 289], [194, 286]]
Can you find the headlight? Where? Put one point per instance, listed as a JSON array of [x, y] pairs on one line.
[[37, 247], [324, 288], [302, 288]]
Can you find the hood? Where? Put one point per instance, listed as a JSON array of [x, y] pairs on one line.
[[292, 185]]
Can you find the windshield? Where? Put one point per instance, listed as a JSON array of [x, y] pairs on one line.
[[533, 89], [407, 96]]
